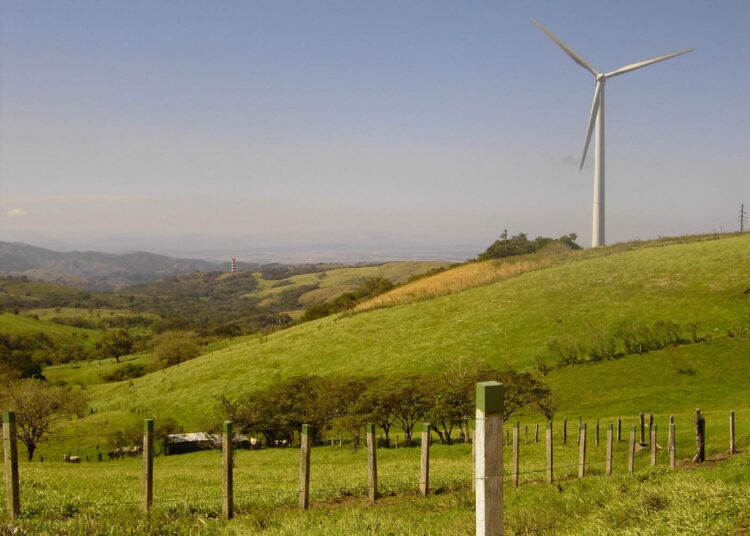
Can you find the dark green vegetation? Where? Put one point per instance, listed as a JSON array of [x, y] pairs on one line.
[[445, 398], [521, 245]]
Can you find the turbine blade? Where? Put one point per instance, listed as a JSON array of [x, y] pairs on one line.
[[644, 63], [569, 51], [592, 121]]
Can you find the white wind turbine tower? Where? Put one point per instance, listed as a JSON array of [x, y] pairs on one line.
[[596, 116]]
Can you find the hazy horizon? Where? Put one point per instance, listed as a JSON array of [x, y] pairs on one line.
[[219, 130]]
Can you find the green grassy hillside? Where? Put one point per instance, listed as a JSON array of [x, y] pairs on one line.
[[12, 324], [330, 284], [508, 323]]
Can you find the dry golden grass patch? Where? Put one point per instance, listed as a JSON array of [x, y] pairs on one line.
[[461, 278]]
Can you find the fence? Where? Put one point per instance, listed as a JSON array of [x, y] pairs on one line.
[[489, 441]]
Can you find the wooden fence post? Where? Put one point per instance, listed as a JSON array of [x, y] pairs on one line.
[[597, 432], [650, 423], [147, 475], [631, 452], [642, 418], [304, 466], [653, 445], [732, 448], [536, 433], [672, 453], [550, 455], [565, 431], [490, 404], [424, 473], [700, 438], [582, 452], [516, 452], [227, 475], [619, 429], [610, 433], [10, 446], [372, 462], [669, 437]]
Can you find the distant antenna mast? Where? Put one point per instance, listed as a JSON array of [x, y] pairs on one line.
[[743, 218], [234, 265]]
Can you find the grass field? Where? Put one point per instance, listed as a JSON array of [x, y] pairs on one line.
[[12, 324], [94, 497], [508, 323]]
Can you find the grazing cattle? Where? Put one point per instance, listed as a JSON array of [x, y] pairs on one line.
[[71, 459], [122, 452]]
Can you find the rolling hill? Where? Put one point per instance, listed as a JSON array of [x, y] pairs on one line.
[[507, 323], [93, 269]]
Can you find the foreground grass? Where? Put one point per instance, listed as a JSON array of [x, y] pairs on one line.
[[102, 498]]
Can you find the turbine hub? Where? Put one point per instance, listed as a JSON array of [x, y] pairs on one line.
[[601, 78]]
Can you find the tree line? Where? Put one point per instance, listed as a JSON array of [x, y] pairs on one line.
[[445, 398]]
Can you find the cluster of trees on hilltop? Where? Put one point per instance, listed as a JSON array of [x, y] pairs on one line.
[[521, 245], [445, 398]]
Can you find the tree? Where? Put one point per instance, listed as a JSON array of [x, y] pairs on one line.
[[38, 405], [410, 401], [175, 347], [115, 343]]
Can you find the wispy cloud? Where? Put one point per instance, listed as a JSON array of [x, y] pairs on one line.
[[16, 212], [91, 198]]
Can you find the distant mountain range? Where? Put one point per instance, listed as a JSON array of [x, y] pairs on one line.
[[94, 269]]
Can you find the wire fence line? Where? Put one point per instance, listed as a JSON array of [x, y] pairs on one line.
[[257, 489]]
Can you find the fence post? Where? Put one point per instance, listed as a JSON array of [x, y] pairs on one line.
[[580, 422], [619, 429], [550, 458], [424, 473], [147, 475], [536, 433], [642, 418], [582, 453], [653, 445], [597, 432], [490, 404], [631, 452], [732, 449], [372, 462], [565, 431], [304, 466], [669, 437], [516, 452], [610, 433], [700, 438], [650, 423], [227, 475], [10, 446], [672, 453]]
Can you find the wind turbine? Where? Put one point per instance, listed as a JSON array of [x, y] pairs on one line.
[[596, 117]]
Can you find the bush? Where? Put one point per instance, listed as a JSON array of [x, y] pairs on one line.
[[126, 372]]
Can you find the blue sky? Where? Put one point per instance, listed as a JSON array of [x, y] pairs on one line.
[[187, 126]]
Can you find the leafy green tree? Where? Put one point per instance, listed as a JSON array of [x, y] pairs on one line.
[[38, 405], [115, 343]]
